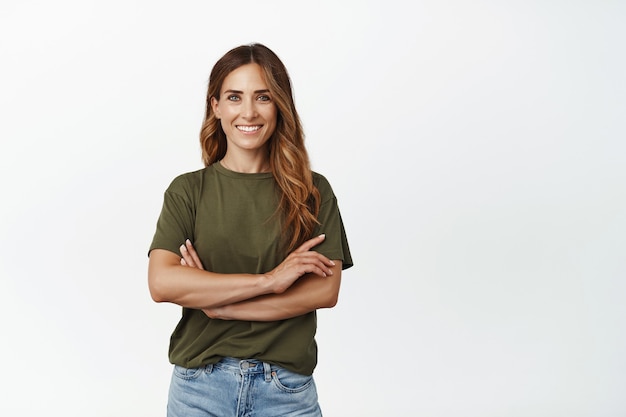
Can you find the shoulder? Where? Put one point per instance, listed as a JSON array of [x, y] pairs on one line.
[[187, 183], [323, 186]]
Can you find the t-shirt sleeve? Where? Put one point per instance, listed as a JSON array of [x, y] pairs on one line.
[[335, 246], [177, 218]]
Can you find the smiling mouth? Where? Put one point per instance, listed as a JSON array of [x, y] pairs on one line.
[[249, 128]]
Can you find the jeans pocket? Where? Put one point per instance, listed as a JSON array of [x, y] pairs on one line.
[[291, 382], [187, 373]]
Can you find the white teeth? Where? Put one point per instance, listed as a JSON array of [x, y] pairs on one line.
[[248, 128]]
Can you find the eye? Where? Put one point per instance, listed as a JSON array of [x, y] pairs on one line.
[[233, 97], [264, 98]]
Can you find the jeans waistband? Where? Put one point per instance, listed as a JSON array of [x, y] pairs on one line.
[[247, 366]]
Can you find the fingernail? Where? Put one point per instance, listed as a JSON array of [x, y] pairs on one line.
[[183, 248], [323, 235], [188, 242], [332, 263]]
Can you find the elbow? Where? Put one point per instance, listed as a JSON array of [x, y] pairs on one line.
[[157, 290], [157, 297], [331, 287], [161, 274], [332, 291], [333, 301], [330, 301], [331, 294]]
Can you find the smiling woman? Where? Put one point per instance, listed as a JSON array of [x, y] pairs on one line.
[[250, 246], [248, 118]]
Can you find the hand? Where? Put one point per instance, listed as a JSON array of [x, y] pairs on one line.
[[299, 262], [214, 313], [190, 256]]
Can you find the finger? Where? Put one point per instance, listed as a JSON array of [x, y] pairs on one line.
[[312, 256], [187, 257], [194, 254], [306, 246], [324, 263], [313, 262], [320, 270], [182, 262], [324, 268]]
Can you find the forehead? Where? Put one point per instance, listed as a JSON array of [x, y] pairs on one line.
[[247, 77]]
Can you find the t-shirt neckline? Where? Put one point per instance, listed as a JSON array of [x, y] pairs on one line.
[[241, 175]]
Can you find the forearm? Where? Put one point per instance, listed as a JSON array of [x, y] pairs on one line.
[[309, 293], [189, 285], [195, 288]]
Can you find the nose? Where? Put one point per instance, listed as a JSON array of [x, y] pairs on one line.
[[249, 109]]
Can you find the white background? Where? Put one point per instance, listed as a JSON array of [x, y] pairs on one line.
[[477, 149]]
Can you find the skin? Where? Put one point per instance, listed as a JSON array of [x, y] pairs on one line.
[[246, 103], [303, 282], [309, 292]]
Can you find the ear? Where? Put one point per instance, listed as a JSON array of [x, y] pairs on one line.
[[215, 108]]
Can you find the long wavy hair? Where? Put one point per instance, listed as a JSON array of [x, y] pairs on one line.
[[289, 161]]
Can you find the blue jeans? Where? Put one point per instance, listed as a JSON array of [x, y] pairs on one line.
[[241, 388]]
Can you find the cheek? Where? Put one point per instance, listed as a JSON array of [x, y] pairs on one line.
[[221, 112], [272, 116], [272, 122]]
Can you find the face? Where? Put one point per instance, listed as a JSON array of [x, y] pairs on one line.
[[246, 109]]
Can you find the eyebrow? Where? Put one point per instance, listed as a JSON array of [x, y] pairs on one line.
[[241, 92]]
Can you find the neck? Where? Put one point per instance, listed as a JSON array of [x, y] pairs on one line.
[[254, 166]]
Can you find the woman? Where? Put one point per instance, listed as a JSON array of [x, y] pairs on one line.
[[250, 246]]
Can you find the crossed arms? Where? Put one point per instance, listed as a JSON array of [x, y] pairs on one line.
[[303, 282]]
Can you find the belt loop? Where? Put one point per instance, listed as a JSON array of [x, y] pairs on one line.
[[268, 371]]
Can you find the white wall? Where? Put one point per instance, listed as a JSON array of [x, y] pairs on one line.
[[477, 149]]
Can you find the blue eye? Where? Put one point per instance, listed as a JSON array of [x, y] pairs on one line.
[[264, 98], [232, 97]]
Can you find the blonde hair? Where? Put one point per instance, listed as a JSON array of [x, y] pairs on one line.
[[289, 161]]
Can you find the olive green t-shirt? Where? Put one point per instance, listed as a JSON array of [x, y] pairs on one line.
[[231, 220]]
